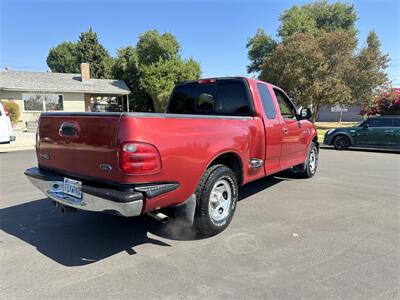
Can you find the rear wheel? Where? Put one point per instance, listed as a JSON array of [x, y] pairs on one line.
[[341, 142], [217, 195]]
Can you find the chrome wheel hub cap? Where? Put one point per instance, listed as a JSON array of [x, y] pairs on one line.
[[220, 200], [313, 160]]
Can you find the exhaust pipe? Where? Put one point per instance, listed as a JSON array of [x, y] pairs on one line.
[[159, 216]]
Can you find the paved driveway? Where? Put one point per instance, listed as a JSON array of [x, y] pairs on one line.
[[336, 235]]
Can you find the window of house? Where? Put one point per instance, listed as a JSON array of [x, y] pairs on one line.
[[43, 102]]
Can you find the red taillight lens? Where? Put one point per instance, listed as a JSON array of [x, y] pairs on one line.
[[139, 158]]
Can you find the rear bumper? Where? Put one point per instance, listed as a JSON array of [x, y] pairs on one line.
[[107, 200]]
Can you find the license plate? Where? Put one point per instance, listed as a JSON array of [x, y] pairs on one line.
[[72, 188]]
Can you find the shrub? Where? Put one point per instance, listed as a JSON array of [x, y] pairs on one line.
[[386, 103], [13, 110]]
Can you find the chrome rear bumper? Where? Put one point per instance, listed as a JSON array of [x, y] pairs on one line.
[[127, 204]]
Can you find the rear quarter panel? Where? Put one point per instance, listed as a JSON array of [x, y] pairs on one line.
[[188, 145]]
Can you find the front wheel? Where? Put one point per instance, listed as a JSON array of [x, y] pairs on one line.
[[217, 195], [309, 167], [341, 142]]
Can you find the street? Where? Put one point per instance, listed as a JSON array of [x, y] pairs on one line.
[[333, 236]]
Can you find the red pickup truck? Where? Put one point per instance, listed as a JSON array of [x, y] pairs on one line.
[[216, 135]]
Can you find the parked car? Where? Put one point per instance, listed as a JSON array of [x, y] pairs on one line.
[[216, 135], [383, 131], [6, 134]]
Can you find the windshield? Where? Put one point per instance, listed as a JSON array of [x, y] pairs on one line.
[[359, 124]]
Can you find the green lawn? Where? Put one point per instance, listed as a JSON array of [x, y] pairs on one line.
[[323, 127]]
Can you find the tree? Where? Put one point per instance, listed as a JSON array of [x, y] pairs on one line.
[[63, 58], [318, 15], [316, 60], [311, 68], [152, 68], [89, 50], [67, 56], [152, 46], [159, 78], [126, 67], [259, 47], [368, 75]]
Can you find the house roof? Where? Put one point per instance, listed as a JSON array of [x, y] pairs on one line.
[[59, 82]]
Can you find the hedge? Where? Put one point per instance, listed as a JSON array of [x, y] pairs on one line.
[[13, 109]]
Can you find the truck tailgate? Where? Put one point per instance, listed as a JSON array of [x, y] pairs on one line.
[[82, 145]]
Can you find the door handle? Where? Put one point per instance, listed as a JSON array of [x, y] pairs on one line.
[[285, 131]]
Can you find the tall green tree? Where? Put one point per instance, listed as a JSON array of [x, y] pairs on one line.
[[367, 75], [89, 50], [63, 58], [126, 67], [318, 15], [315, 60], [152, 68], [311, 68], [259, 47], [159, 78], [67, 56], [153, 46]]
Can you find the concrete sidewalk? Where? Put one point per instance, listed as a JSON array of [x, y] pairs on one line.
[[23, 141]]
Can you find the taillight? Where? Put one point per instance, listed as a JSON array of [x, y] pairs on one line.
[[139, 158]]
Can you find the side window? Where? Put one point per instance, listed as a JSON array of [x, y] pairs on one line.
[[266, 99], [182, 100], [287, 109], [396, 122], [380, 122], [205, 102]]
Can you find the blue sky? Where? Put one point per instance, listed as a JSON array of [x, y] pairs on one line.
[[212, 32]]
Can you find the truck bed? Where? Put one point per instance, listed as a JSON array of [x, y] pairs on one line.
[[187, 144]]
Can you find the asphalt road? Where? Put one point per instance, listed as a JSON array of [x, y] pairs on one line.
[[333, 236]]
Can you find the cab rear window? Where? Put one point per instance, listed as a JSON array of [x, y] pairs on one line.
[[221, 97]]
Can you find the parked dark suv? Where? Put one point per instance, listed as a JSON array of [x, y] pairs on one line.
[[381, 131]]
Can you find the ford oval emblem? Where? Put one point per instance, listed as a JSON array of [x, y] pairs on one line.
[[105, 167]]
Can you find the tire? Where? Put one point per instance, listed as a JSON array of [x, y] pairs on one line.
[[341, 142], [309, 167], [217, 196]]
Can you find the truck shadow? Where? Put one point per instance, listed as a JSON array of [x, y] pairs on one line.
[[83, 238], [79, 238]]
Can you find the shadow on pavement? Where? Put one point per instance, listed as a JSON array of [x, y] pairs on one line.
[[75, 239], [366, 149], [83, 238]]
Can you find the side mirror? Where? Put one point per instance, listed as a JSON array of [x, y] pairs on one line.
[[305, 113]]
